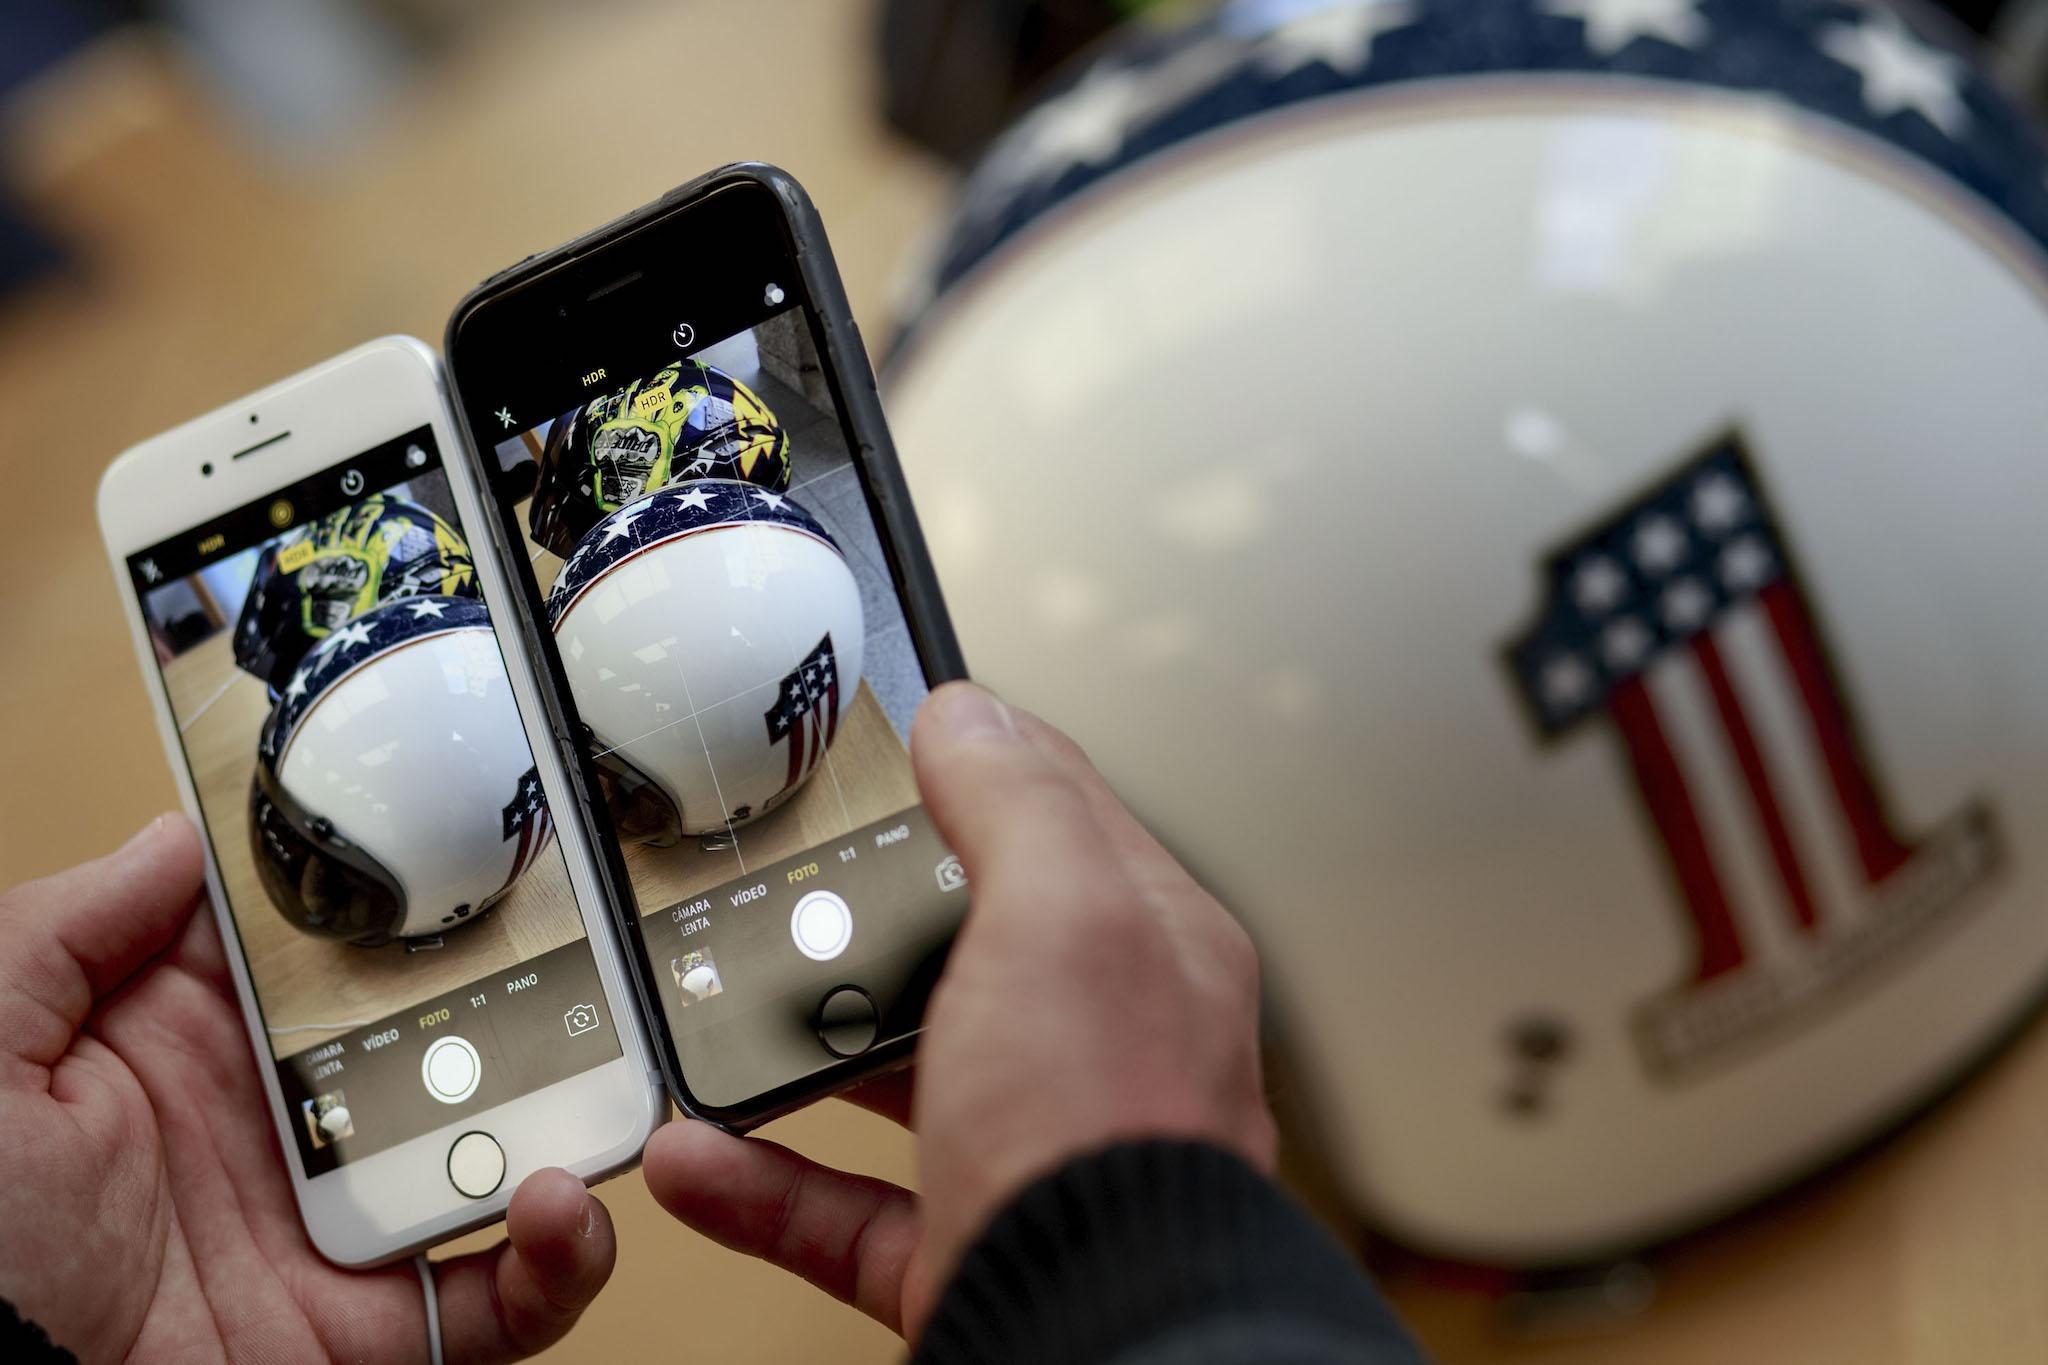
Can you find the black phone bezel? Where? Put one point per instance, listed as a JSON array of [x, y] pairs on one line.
[[741, 223]]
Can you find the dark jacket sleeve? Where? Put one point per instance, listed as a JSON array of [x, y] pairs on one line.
[[24, 1343], [1160, 1253]]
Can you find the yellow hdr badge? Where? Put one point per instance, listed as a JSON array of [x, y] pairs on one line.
[[649, 402]]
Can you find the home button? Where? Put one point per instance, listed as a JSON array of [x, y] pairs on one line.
[[476, 1165], [847, 1021]]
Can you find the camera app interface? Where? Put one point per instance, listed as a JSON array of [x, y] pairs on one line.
[[728, 622], [372, 804]]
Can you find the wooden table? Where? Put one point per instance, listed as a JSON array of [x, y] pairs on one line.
[[207, 271]]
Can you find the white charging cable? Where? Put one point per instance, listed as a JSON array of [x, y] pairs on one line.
[[433, 1307]]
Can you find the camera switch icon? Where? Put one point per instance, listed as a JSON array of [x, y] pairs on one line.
[[580, 1019], [949, 874]]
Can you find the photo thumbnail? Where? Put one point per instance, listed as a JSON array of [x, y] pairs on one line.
[[327, 1118], [696, 977]]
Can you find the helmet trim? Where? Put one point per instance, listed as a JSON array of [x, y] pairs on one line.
[[593, 559]]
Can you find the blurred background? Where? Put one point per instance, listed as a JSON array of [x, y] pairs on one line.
[[200, 196]]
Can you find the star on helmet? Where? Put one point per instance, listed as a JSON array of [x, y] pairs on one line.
[[1612, 25], [1337, 33], [1746, 564], [1599, 585], [1566, 682], [1686, 605], [1718, 504], [1900, 73], [1626, 643], [1659, 545], [621, 525]]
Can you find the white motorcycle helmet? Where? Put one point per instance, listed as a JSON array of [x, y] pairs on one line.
[[712, 636], [1540, 501], [395, 795]]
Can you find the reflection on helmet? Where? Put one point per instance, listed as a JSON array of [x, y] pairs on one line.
[[690, 421], [394, 793], [322, 575], [714, 618]]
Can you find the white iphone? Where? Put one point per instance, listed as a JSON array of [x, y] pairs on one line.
[[432, 986]]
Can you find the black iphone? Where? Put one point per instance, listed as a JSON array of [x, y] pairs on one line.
[[723, 581]]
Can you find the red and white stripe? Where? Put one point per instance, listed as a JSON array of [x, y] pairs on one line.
[[1747, 760]]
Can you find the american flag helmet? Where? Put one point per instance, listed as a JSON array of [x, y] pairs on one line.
[[1539, 501], [395, 795], [712, 637]]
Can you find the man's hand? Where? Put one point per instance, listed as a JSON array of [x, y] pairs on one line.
[[1096, 994], [145, 1202]]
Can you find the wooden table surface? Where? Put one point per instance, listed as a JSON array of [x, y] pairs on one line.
[[209, 265]]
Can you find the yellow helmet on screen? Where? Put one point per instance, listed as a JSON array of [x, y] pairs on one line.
[[687, 421]]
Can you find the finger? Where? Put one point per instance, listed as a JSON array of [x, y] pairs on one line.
[[1000, 799], [1058, 750], [850, 1235], [69, 939], [199, 951], [1142, 852], [889, 1095], [1151, 869], [525, 1293]]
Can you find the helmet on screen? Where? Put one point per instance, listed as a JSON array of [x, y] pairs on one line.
[[395, 795], [1604, 644], [689, 421], [320, 576], [712, 638]]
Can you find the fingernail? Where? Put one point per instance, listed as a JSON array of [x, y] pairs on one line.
[[969, 712], [145, 832], [588, 1220]]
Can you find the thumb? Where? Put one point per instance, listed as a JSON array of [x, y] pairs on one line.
[[1001, 792], [69, 939]]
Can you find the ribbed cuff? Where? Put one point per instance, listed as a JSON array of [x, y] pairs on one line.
[[1148, 1243]]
